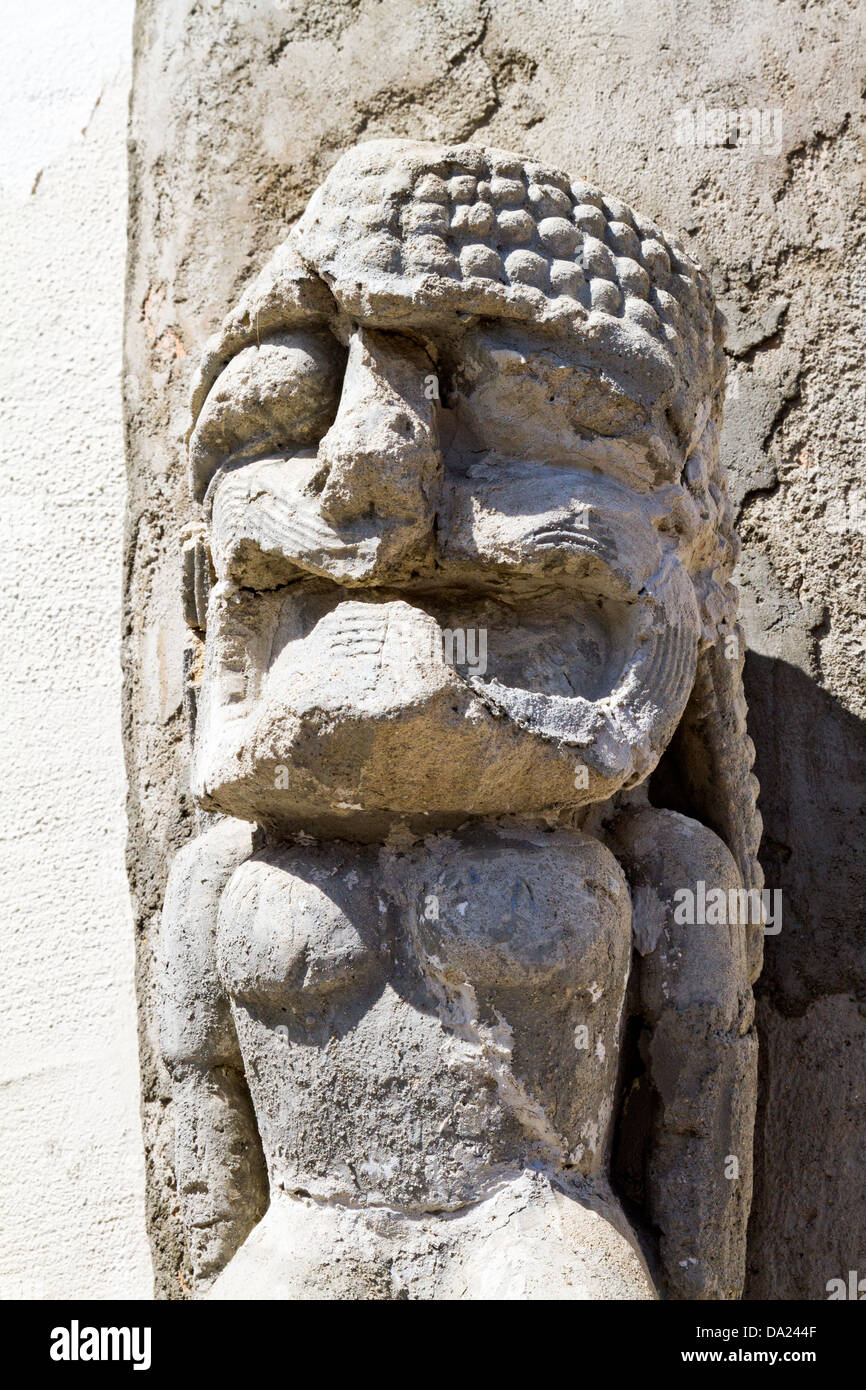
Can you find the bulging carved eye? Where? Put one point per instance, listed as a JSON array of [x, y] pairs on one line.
[[281, 392]]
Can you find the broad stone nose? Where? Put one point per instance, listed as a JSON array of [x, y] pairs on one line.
[[380, 460]]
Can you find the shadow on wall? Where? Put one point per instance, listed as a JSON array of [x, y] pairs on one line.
[[810, 1180]]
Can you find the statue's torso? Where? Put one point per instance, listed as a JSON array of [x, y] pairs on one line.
[[417, 1025]]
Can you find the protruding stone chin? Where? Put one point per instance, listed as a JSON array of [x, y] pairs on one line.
[[355, 707]]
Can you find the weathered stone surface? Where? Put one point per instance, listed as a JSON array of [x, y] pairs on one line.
[[387, 1020], [813, 1065], [237, 115]]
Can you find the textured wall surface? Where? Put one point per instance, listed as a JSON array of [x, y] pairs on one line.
[[71, 1172], [238, 111]]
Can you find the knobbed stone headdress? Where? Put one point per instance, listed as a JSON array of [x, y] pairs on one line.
[[418, 229]]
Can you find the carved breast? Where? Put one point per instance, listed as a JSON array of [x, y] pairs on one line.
[[300, 922], [509, 909], [484, 971]]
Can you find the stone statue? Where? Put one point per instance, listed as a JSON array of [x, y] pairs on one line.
[[465, 682]]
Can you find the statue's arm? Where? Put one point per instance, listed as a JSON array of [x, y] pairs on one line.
[[699, 1048], [219, 1165]]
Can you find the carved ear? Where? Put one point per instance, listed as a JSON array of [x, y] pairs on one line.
[[706, 771]]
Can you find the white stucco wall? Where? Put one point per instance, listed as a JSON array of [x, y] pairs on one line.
[[71, 1170]]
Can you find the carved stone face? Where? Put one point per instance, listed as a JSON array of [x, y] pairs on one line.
[[452, 558]]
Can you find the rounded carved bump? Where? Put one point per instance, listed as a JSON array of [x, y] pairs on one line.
[[462, 188], [431, 252], [515, 228], [558, 236], [656, 259], [481, 260], [624, 240], [643, 314], [590, 219], [567, 278], [527, 268], [546, 200], [507, 192], [587, 193], [617, 213], [432, 189], [597, 258], [605, 296], [481, 219], [631, 277], [426, 217]]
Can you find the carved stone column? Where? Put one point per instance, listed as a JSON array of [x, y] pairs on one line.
[[459, 590]]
